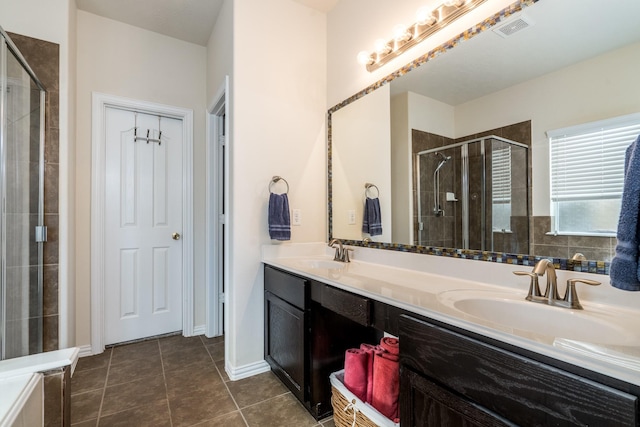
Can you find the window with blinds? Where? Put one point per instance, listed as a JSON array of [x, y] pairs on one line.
[[501, 188], [587, 174]]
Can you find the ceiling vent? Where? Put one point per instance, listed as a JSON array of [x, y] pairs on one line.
[[513, 26]]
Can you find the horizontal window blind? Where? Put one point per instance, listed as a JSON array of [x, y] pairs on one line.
[[501, 175], [587, 162]]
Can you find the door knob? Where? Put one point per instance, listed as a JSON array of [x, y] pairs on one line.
[[175, 236]]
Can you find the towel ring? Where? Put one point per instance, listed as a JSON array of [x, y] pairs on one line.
[[276, 179], [368, 187]]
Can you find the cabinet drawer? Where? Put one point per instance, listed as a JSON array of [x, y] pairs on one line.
[[290, 288], [522, 390], [351, 306]]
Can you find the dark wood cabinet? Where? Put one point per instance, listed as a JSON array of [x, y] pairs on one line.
[[306, 340], [449, 376]]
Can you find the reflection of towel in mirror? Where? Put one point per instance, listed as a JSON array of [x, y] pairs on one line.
[[624, 270], [372, 221], [279, 223]]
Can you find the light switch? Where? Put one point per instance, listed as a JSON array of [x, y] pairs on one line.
[[351, 214], [297, 217]]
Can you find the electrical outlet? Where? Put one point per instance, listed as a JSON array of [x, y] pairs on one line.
[[297, 217], [351, 214]]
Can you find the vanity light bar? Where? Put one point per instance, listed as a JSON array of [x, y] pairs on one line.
[[427, 23]]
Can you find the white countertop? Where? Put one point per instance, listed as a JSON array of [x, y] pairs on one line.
[[408, 281]]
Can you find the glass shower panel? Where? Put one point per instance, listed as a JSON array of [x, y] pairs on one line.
[[21, 151]]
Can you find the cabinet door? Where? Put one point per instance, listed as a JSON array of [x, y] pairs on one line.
[[285, 344], [425, 404]]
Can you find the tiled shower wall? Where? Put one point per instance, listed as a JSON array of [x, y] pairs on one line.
[[443, 231], [43, 58]]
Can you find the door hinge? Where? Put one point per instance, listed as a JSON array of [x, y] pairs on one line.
[[221, 140], [222, 219], [41, 233], [221, 297]]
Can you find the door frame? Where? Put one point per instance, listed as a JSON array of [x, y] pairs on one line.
[[100, 103], [215, 283]]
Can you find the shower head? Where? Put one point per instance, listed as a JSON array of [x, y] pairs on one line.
[[443, 159]]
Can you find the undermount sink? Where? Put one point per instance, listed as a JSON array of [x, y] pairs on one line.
[[511, 310], [323, 264]]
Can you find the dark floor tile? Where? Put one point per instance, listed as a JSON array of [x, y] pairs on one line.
[[187, 410], [89, 379], [137, 351], [132, 370], [91, 362], [222, 371], [214, 340], [328, 422], [216, 351], [189, 381], [233, 419], [90, 423], [189, 357], [281, 411], [155, 414], [179, 343], [255, 389], [133, 394], [85, 406]]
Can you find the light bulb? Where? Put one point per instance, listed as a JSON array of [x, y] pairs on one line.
[[400, 33], [381, 46], [364, 58], [424, 16]]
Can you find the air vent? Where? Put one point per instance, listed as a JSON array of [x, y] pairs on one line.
[[513, 26]]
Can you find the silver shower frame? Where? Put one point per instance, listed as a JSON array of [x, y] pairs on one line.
[[5, 48], [464, 152]]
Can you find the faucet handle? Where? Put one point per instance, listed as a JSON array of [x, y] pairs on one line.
[[571, 296], [534, 287], [346, 254]]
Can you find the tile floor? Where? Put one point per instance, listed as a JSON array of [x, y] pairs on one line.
[[176, 381]]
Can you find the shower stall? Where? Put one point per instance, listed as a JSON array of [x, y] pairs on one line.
[[22, 116], [473, 195]]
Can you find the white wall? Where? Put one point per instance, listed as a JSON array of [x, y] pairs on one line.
[[352, 26], [278, 112], [558, 100], [54, 21], [361, 153], [122, 60], [220, 50]]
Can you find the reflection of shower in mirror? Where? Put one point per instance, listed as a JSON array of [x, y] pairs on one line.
[[437, 208]]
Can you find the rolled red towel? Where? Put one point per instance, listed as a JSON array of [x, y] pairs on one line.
[[356, 363], [386, 384], [392, 345], [371, 350]]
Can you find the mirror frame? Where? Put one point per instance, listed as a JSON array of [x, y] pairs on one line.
[[590, 266]]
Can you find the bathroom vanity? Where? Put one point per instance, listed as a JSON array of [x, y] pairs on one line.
[[455, 370]]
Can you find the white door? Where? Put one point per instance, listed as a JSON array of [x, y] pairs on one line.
[[143, 223]]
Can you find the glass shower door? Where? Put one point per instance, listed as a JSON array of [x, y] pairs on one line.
[[21, 171]]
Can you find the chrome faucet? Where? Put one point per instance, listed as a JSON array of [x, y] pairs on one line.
[[550, 295], [342, 253]]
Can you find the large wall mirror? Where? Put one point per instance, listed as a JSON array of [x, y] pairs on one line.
[[454, 149]]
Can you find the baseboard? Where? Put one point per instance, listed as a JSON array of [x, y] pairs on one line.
[[85, 350], [246, 371], [199, 330]]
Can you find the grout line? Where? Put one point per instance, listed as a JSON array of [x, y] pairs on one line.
[[166, 388], [224, 383], [104, 389]]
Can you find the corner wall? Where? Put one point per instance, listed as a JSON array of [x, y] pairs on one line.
[[278, 113]]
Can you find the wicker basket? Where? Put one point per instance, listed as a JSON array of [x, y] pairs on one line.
[[349, 411]]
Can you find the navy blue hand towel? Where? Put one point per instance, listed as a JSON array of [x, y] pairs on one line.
[[279, 222], [372, 220], [624, 271]]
